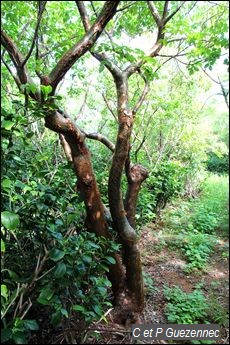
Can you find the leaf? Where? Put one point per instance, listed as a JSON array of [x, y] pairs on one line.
[[56, 317], [93, 245], [87, 258], [56, 254], [64, 312], [45, 295], [4, 291], [60, 270], [19, 338], [101, 68], [32, 325], [7, 124], [6, 334], [3, 248], [46, 90], [6, 183], [110, 259], [10, 220], [78, 307], [97, 310], [20, 184]]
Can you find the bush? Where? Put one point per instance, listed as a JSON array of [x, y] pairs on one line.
[[67, 278], [185, 308], [164, 183], [217, 164]]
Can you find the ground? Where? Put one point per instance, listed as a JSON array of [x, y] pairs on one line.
[[164, 266]]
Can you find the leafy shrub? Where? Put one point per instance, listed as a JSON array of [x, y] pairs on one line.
[[204, 220], [77, 281], [69, 277], [217, 312], [185, 308], [196, 247], [164, 183], [48, 264], [217, 164], [167, 181]]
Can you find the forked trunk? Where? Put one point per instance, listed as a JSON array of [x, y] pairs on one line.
[[88, 189], [128, 237]]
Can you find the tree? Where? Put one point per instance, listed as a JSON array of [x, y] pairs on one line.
[[29, 65]]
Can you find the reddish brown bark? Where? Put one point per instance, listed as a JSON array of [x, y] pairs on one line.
[[134, 279], [87, 187]]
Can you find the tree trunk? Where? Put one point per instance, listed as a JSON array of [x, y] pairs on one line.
[[88, 188], [134, 279]]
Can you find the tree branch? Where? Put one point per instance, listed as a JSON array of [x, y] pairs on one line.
[[154, 13], [103, 58], [125, 7], [102, 139], [109, 107], [143, 95], [174, 12], [17, 58], [66, 148], [17, 81], [165, 9], [84, 16], [41, 9], [74, 53]]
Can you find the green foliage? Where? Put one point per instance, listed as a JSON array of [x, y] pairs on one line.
[[150, 288], [77, 281], [196, 222], [197, 248], [217, 164], [216, 311], [19, 331], [72, 280], [204, 220], [185, 308], [35, 213], [165, 182]]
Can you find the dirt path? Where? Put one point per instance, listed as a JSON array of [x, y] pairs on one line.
[[163, 266]]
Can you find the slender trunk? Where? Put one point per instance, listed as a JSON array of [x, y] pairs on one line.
[[134, 279]]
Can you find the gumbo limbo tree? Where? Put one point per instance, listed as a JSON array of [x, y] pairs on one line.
[[44, 40]]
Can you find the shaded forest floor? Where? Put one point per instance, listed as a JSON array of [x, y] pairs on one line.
[[164, 266]]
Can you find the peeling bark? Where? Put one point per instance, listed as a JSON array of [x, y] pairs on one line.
[[87, 187], [66, 147], [131, 257]]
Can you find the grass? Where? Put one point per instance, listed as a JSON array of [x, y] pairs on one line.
[[194, 227]]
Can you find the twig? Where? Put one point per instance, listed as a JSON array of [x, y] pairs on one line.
[[174, 12], [27, 309], [42, 5], [143, 95], [109, 107], [11, 303]]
